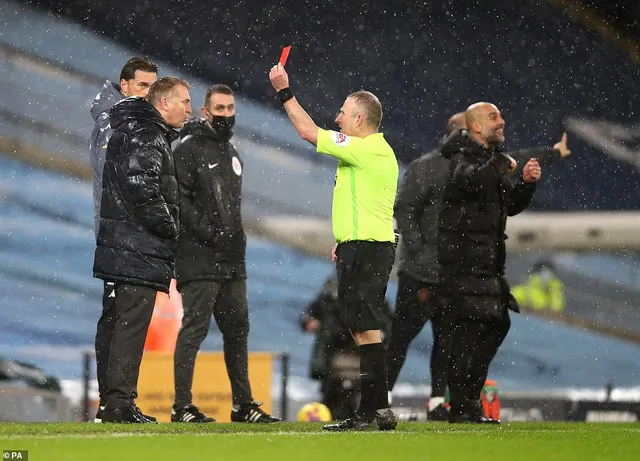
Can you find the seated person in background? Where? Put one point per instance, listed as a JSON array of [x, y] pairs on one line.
[[335, 360], [543, 290]]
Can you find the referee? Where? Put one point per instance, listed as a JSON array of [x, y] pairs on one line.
[[362, 217]]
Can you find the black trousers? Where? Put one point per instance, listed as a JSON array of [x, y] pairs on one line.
[[416, 304], [474, 344], [226, 300], [104, 336], [120, 337]]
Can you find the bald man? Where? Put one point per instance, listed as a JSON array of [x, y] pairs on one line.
[[419, 299], [544, 155], [478, 197]]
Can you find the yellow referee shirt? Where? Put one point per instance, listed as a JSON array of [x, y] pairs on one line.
[[365, 188]]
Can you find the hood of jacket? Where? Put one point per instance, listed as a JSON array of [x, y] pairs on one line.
[[109, 95], [201, 127]]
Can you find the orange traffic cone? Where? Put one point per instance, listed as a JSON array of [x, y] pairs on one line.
[[165, 322]]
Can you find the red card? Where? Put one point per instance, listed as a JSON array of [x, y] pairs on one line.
[[284, 55]]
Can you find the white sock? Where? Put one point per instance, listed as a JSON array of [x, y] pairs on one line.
[[434, 402], [390, 398]]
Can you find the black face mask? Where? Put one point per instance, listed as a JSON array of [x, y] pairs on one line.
[[221, 124]]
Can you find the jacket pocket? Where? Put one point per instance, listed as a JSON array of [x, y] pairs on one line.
[[480, 254]]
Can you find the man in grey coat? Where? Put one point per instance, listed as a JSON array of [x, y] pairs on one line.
[[136, 77]]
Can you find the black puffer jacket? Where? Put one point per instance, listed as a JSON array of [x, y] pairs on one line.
[[477, 199], [139, 221], [418, 204], [212, 243]]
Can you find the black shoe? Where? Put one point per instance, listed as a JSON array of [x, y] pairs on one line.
[[189, 414], [124, 415], [386, 420], [350, 424], [470, 412], [150, 418], [439, 413], [98, 417], [252, 413], [477, 411]]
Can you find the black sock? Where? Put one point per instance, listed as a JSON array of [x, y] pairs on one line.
[[372, 373], [383, 386]]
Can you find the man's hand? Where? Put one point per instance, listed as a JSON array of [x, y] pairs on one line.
[[512, 164], [279, 77], [562, 146], [531, 172], [312, 325], [334, 256]]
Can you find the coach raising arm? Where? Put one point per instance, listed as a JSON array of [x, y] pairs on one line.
[[362, 218]]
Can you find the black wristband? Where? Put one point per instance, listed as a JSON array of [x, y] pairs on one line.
[[285, 94]]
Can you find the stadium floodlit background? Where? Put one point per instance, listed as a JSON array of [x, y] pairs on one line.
[[550, 66]]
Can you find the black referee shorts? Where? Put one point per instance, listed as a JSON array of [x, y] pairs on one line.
[[363, 273]]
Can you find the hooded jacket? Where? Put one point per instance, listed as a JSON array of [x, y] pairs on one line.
[[478, 197], [212, 242], [419, 202], [109, 95], [139, 221]]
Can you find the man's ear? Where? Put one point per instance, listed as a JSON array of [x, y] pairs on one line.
[[124, 87]]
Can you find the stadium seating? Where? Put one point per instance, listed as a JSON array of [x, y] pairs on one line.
[[426, 60]]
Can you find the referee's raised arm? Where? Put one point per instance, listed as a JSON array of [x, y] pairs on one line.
[[306, 127]]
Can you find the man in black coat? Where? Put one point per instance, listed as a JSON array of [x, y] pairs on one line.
[[210, 264], [138, 233], [136, 77], [477, 199], [416, 212]]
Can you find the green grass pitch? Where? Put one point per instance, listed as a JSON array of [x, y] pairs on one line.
[[307, 441]]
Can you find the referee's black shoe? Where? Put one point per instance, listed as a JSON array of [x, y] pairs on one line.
[[350, 424], [386, 420]]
